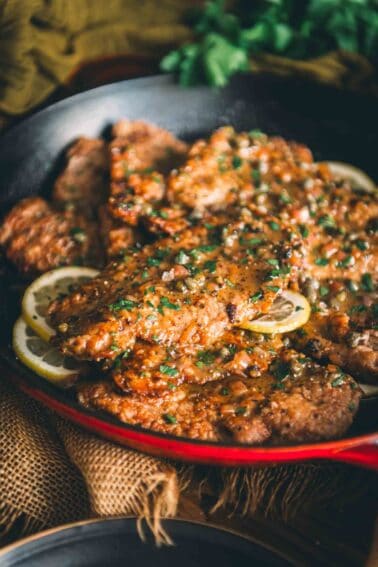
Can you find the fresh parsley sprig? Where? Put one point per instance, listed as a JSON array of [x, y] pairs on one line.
[[297, 29]]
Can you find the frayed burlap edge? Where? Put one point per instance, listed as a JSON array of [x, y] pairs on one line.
[[121, 481]]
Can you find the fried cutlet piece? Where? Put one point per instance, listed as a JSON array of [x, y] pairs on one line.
[[294, 401], [232, 167], [343, 327], [36, 237], [138, 146], [270, 175], [154, 368], [84, 180], [182, 290], [116, 236], [140, 154], [166, 221]]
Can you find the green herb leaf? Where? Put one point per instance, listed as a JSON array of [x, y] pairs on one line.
[[169, 370]]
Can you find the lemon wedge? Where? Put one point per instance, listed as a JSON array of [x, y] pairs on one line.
[[358, 178], [289, 311], [45, 289], [43, 358]]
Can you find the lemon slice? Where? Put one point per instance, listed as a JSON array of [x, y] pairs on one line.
[[45, 289], [289, 311], [369, 390], [43, 358], [357, 177]]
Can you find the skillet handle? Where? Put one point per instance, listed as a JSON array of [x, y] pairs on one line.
[[364, 455]]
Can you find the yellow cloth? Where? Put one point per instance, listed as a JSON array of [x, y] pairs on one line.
[[43, 41]]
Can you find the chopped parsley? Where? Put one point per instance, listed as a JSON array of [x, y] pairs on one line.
[[169, 418], [361, 244], [256, 296], [205, 358], [256, 177], [225, 392], [274, 225], [367, 282], [284, 198], [345, 263], [127, 304], [153, 261], [164, 302], [273, 288], [210, 265], [323, 291], [168, 370], [303, 230], [326, 221], [357, 309], [338, 381], [321, 261], [236, 162]]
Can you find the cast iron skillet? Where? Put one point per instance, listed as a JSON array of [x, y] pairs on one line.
[[337, 126], [116, 543]]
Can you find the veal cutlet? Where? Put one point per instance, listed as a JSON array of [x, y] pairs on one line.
[[186, 289], [295, 400], [140, 155], [37, 237], [343, 326]]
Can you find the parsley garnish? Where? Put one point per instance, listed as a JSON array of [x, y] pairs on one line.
[[127, 304], [236, 162], [339, 381], [367, 282], [210, 265], [256, 296], [274, 225], [164, 302], [169, 418], [169, 370], [321, 261], [273, 288], [205, 358]]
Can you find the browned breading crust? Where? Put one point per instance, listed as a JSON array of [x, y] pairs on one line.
[[294, 401], [36, 237], [84, 180], [343, 326], [187, 289]]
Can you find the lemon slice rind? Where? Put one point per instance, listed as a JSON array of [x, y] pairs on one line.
[[25, 341], [290, 311], [46, 288], [357, 177]]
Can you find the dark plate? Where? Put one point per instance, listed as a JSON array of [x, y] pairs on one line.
[[115, 542], [336, 125]]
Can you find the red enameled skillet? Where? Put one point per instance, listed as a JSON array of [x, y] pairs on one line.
[[336, 125]]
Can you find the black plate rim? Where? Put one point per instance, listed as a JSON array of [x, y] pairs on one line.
[[131, 523]]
